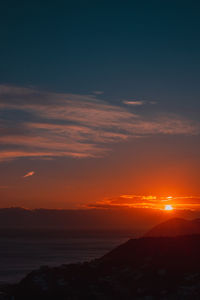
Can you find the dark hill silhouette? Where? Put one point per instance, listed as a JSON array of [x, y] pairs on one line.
[[165, 252], [145, 268], [175, 227]]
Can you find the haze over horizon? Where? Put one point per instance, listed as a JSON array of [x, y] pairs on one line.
[[99, 105]]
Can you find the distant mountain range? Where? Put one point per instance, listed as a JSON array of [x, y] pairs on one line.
[[80, 219], [144, 268], [134, 219]]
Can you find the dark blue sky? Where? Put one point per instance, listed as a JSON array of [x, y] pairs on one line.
[[138, 49], [78, 78]]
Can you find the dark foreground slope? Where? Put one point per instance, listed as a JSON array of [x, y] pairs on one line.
[[175, 227], [145, 268]]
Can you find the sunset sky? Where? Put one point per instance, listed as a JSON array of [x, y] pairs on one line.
[[100, 104]]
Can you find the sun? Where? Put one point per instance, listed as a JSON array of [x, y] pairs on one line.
[[168, 207]]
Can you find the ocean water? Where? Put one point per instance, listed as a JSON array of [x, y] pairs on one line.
[[22, 253]]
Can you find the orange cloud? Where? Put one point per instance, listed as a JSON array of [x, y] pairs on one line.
[[29, 174], [145, 201]]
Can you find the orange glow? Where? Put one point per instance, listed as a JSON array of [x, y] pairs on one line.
[[168, 207]]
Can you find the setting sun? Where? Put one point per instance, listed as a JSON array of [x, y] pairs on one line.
[[168, 207]]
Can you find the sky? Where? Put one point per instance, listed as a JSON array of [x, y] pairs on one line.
[[99, 104]]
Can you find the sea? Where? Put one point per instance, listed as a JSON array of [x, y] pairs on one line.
[[24, 251]]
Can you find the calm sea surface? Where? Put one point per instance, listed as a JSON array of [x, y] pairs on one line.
[[21, 254]]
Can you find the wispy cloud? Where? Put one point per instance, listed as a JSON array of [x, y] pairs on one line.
[[31, 173], [98, 92], [36, 123], [136, 103]]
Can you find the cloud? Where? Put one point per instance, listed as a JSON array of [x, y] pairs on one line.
[[29, 174], [98, 92], [149, 201], [40, 124], [136, 103]]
